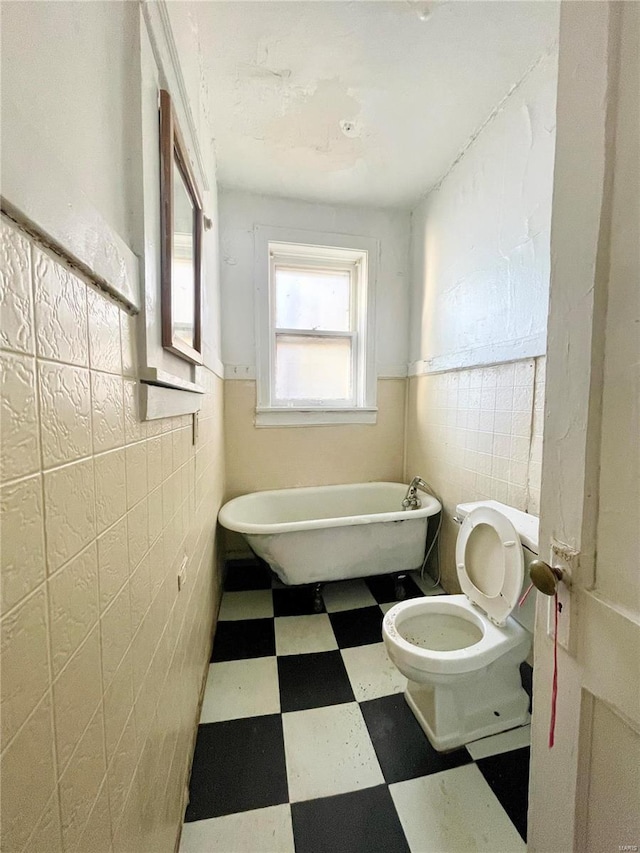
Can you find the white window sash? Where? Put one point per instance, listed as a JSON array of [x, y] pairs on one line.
[[294, 262], [313, 333], [350, 402], [318, 264], [295, 249]]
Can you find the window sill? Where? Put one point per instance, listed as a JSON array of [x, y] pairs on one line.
[[271, 417]]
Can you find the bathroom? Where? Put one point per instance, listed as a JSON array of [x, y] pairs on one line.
[[479, 162]]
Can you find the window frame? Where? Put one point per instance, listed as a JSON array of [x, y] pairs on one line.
[[173, 152], [355, 268], [359, 256]]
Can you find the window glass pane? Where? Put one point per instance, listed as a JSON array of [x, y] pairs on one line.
[[313, 368], [313, 299]]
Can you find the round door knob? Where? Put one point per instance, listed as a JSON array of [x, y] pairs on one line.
[[544, 577]]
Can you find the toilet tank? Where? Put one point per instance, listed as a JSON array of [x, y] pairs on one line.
[[527, 528]]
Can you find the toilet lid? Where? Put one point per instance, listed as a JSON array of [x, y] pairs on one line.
[[490, 562]]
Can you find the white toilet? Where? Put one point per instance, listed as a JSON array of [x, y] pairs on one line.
[[461, 653]]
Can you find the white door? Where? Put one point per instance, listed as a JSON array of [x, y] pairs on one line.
[[585, 791]]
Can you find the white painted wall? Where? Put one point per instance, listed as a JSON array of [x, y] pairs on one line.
[[73, 77], [480, 242], [70, 140], [76, 80], [240, 211]]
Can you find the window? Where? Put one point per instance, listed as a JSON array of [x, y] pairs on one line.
[[316, 355]]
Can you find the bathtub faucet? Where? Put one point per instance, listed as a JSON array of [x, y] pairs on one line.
[[411, 500]]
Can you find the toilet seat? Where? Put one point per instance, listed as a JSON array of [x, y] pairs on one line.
[[494, 643], [490, 562]]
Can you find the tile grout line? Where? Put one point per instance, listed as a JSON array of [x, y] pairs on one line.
[[47, 572]]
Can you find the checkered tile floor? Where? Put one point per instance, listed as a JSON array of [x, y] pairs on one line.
[[306, 744]]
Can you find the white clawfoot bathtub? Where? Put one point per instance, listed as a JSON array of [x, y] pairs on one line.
[[325, 533]]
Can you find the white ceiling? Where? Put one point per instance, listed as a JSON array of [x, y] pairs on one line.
[[414, 80]]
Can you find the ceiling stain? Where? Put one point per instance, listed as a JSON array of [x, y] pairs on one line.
[[362, 102], [309, 134]]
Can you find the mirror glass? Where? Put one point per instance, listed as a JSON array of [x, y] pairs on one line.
[[183, 260]]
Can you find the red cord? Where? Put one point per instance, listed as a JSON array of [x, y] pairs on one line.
[[554, 689], [524, 597]]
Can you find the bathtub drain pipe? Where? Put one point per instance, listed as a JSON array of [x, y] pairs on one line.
[[436, 539]]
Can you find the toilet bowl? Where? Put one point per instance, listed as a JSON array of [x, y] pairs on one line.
[[461, 654]]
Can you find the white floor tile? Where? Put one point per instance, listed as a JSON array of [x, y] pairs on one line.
[[347, 595], [454, 811], [297, 635], [426, 584], [496, 744], [241, 688], [371, 673], [268, 830], [328, 751], [386, 607], [253, 604]]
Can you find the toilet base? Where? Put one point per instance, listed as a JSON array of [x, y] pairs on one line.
[[465, 708]]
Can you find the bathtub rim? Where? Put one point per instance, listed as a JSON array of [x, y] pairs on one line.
[[431, 506]]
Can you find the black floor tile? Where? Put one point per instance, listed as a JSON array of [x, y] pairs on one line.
[[247, 574], [403, 749], [244, 638], [295, 601], [358, 822], [508, 777], [313, 681], [383, 588], [526, 674], [237, 765], [357, 627]]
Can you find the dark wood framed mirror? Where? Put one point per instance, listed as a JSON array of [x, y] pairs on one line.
[[181, 230]]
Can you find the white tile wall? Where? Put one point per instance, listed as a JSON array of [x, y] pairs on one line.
[[19, 451], [16, 331], [65, 413], [477, 434], [102, 657], [61, 322], [22, 556]]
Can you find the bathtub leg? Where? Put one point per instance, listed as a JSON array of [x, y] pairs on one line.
[[399, 591], [318, 603]]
